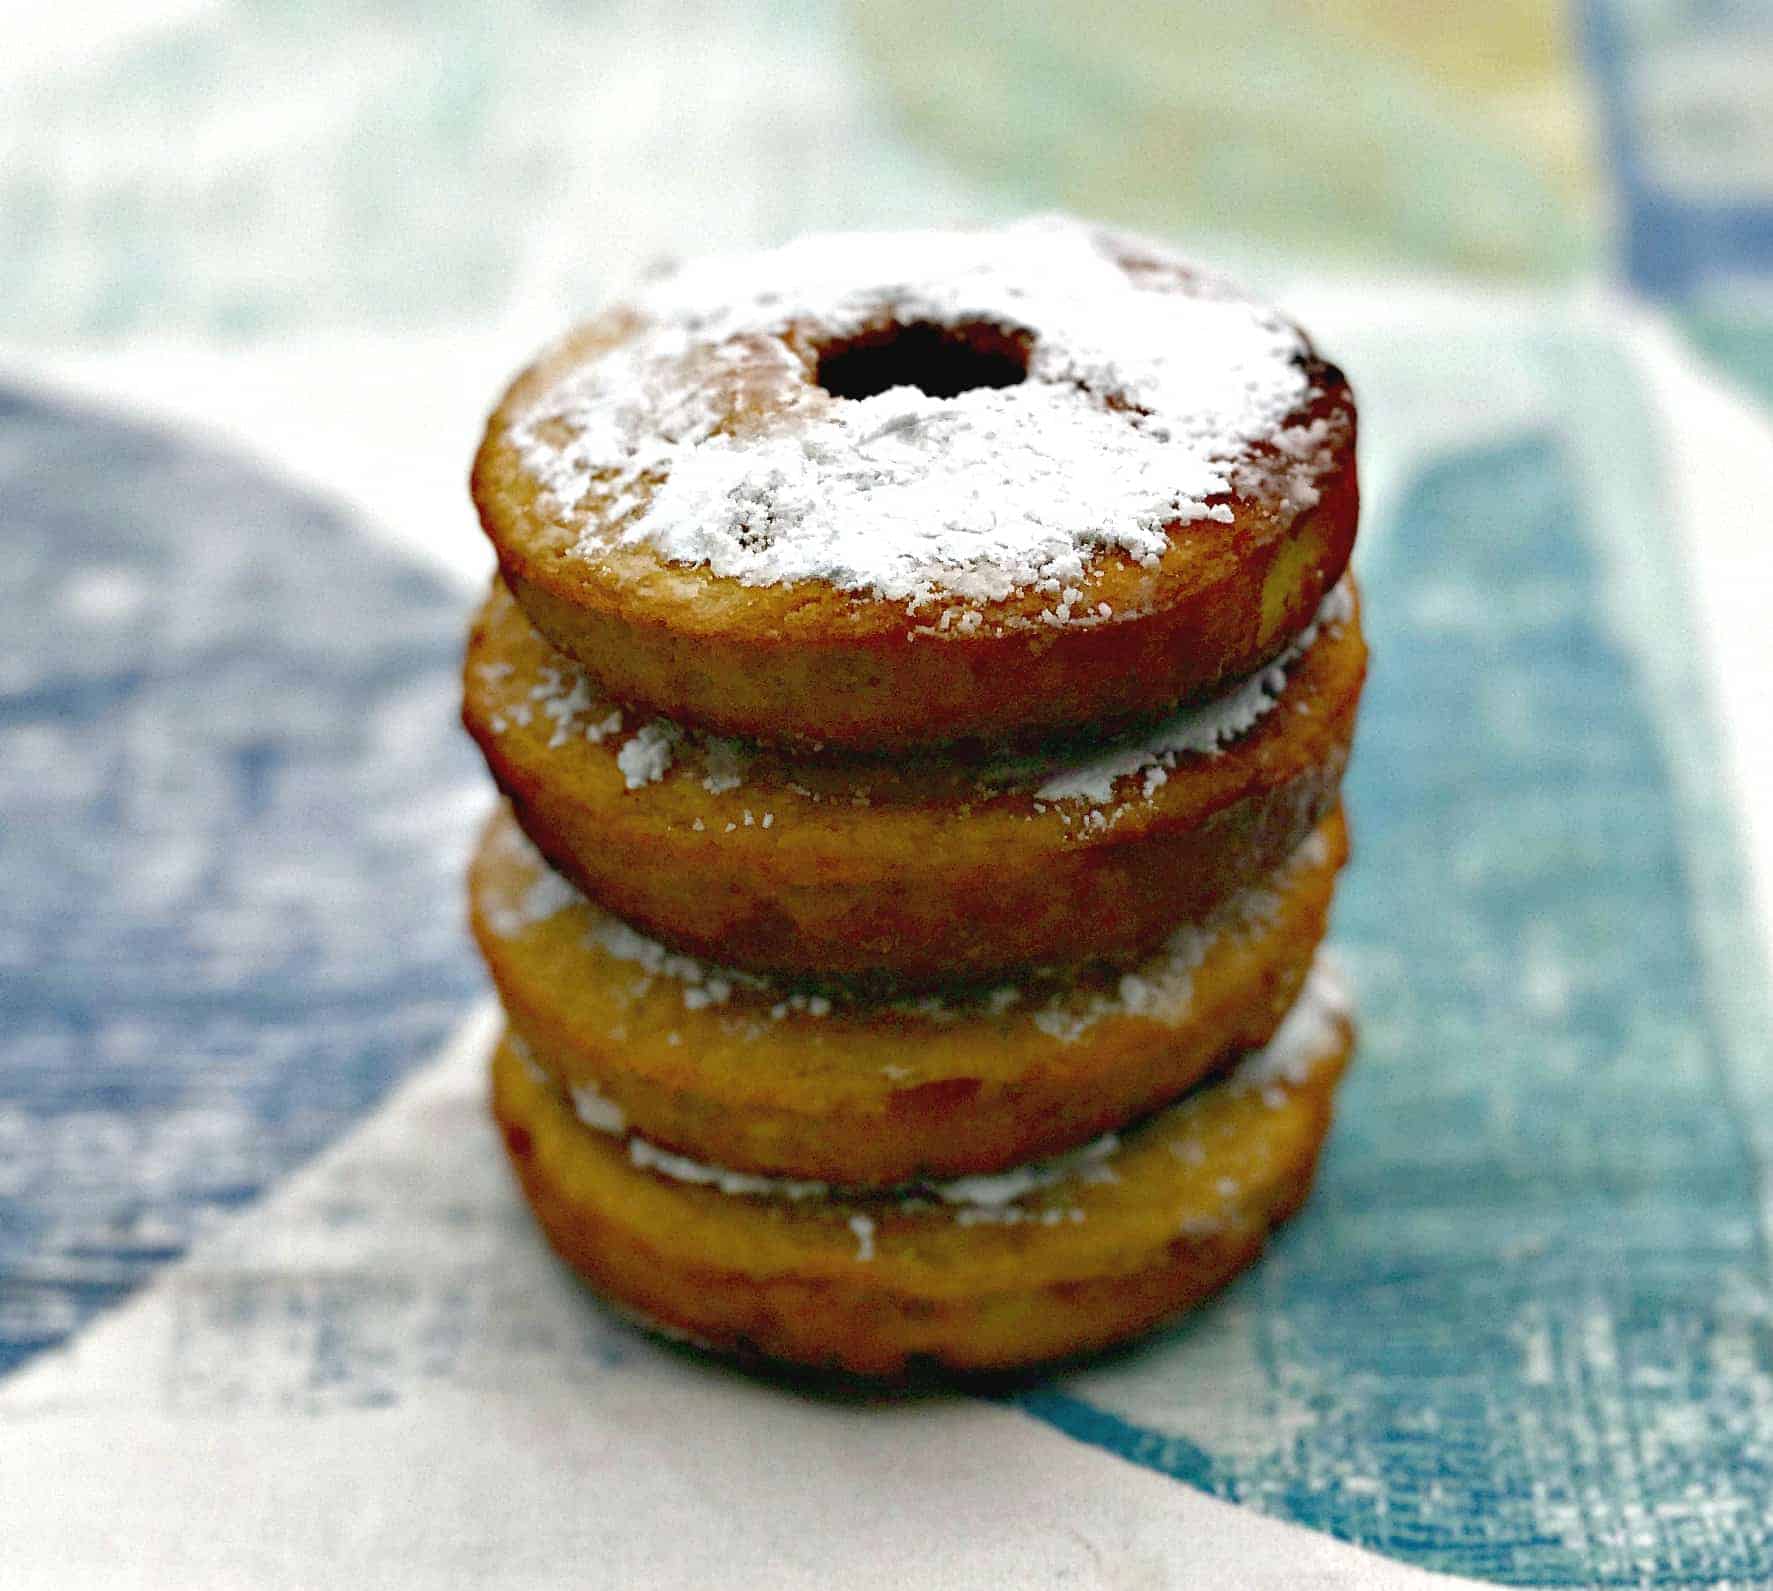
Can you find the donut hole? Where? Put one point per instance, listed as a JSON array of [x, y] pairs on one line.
[[940, 361]]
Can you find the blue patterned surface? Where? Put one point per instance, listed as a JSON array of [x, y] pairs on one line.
[[232, 812], [1522, 1333], [1681, 89]]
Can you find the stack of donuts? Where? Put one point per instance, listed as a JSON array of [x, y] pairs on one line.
[[920, 675]]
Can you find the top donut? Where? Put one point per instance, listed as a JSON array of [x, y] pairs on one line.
[[888, 490]]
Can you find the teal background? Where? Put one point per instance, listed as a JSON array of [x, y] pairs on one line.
[[1521, 1332]]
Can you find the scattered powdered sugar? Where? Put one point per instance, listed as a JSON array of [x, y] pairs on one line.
[[562, 706], [646, 757], [598, 1110], [1204, 728], [725, 761], [1310, 450], [1087, 1163], [900, 495], [680, 1168], [526, 1057], [800, 1003], [1016, 1215], [546, 895], [566, 698], [562, 693], [1314, 851], [1304, 1039], [1138, 413], [703, 985], [1310, 1031], [1160, 989]]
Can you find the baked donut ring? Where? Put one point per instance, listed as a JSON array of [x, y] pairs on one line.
[[880, 491], [733, 1069], [924, 871], [1052, 1261]]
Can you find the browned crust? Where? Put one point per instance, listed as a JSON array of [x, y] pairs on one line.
[[807, 664], [866, 1096], [929, 882], [787, 1282]]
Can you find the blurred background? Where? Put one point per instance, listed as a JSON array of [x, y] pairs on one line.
[[263, 267], [412, 195], [233, 170]]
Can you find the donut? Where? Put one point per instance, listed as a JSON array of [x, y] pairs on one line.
[[727, 1067], [1052, 1260], [910, 872], [881, 491]]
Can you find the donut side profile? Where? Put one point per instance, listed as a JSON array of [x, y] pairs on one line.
[[913, 872], [736, 1070], [1080, 1254], [883, 491]]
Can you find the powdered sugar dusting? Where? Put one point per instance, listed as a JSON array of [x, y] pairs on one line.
[[1085, 1164], [597, 1109], [1128, 769], [1305, 1039], [1160, 989], [1309, 1033], [1088, 1163], [680, 1168], [645, 758], [538, 894], [544, 897], [703, 985], [1145, 392], [725, 761], [1205, 728]]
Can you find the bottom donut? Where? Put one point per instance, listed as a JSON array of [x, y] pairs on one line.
[[1046, 1261]]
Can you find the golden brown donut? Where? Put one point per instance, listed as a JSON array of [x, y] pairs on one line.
[[1069, 1258], [919, 871], [884, 491], [733, 1069]]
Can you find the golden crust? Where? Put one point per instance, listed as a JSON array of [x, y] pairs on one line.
[[872, 1095], [804, 663], [878, 1287], [906, 873]]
